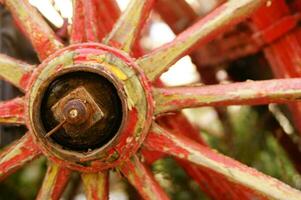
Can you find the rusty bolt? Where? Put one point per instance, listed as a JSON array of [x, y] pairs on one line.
[[79, 109], [76, 112]]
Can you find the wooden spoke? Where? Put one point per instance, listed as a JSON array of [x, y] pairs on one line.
[[34, 27], [92, 21], [206, 29], [93, 32], [142, 179], [17, 155], [216, 185], [109, 13], [78, 34], [213, 184], [54, 183], [12, 112], [15, 71], [129, 25], [96, 185], [186, 149], [250, 93]]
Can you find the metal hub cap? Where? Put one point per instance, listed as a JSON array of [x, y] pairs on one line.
[[83, 107]]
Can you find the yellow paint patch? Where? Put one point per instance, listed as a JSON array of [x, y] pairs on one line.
[[117, 72]]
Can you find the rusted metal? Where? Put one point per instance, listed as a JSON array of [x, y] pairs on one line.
[[17, 155], [183, 148], [34, 27], [142, 179], [96, 185], [55, 129], [80, 111], [76, 112], [54, 183]]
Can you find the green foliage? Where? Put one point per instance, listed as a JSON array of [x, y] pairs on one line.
[[24, 184], [255, 146], [175, 181]]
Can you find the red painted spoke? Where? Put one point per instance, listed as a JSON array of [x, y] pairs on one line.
[[93, 33], [129, 25], [245, 93], [184, 148], [205, 30], [12, 112], [92, 21], [109, 13], [216, 185], [15, 71], [78, 34], [96, 185], [54, 183], [34, 26], [17, 155], [142, 179], [213, 184]]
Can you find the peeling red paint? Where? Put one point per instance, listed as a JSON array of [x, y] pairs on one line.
[[142, 179], [54, 183], [17, 154], [284, 54], [184, 148], [246, 93], [24, 82], [12, 111]]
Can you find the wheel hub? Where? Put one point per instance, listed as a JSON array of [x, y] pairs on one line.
[[89, 107]]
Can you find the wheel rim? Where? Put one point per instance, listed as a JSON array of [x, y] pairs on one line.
[[154, 101]]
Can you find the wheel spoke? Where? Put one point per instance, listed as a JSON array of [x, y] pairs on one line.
[[213, 184], [93, 32], [78, 34], [109, 13], [12, 112], [96, 185], [142, 179], [184, 148], [54, 183], [34, 26], [17, 155], [206, 29], [129, 25], [93, 19], [245, 93], [15, 71], [216, 185]]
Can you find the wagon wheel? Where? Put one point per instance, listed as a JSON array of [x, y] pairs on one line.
[[91, 107]]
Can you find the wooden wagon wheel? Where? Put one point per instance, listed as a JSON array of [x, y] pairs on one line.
[[91, 106]]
